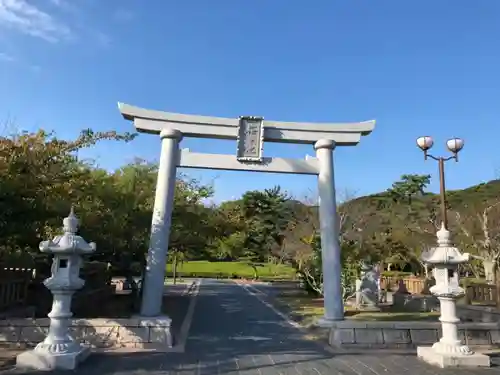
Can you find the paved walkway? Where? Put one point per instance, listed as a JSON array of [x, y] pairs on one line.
[[233, 332]]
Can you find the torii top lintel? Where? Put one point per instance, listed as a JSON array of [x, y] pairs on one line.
[[152, 121]]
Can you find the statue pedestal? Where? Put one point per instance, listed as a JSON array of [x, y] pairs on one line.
[[430, 355], [369, 308], [41, 359], [367, 301]]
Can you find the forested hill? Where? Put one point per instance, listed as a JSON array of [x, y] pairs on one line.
[[405, 217]]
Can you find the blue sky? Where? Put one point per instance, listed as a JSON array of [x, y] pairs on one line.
[[418, 67]]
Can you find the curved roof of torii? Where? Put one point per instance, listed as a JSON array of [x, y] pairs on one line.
[[153, 121]]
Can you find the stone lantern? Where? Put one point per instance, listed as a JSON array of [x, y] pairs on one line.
[[448, 351], [59, 350]]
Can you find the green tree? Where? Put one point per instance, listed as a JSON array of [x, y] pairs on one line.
[[230, 247], [266, 215], [41, 178], [311, 268], [190, 233], [409, 186], [413, 221]]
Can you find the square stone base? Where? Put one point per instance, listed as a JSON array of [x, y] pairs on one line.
[[38, 360], [162, 323], [327, 323], [429, 355]]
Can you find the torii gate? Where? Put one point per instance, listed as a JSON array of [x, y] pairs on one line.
[[250, 133]]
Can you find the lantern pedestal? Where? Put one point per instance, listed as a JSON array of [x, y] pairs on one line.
[[59, 350], [433, 357], [45, 360]]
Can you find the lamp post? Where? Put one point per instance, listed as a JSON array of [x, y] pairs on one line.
[[445, 260], [454, 145]]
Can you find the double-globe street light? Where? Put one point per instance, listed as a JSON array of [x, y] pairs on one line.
[[454, 145], [445, 259]]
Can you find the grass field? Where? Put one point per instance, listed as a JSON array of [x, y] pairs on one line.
[[233, 269], [310, 309]]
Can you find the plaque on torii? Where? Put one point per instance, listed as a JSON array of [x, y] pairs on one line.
[[250, 141]]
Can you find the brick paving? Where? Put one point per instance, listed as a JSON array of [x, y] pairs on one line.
[[234, 333]]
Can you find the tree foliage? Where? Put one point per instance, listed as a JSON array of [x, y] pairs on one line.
[[409, 186], [41, 177], [266, 217]]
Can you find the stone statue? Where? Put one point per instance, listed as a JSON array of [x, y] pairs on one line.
[[367, 288]]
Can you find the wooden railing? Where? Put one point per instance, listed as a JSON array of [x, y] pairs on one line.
[[475, 294], [14, 283], [481, 294], [413, 285]]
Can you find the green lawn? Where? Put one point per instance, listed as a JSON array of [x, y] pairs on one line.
[[230, 269], [310, 309]]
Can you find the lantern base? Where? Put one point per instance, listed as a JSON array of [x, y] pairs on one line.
[[429, 355], [45, 361]]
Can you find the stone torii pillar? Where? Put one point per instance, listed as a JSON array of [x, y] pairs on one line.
[[152, 293], [250, 134], [329, 230]]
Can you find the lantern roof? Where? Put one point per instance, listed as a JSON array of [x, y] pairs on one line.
[[444, 253], [69, 242]]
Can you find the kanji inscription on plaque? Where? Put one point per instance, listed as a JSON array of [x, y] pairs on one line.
[[250, 139]]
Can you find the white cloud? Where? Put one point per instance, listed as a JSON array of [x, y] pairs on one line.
[[122, 15], [64, 4], [25, 17], [35, 68], [6, 57], [104, 40]]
